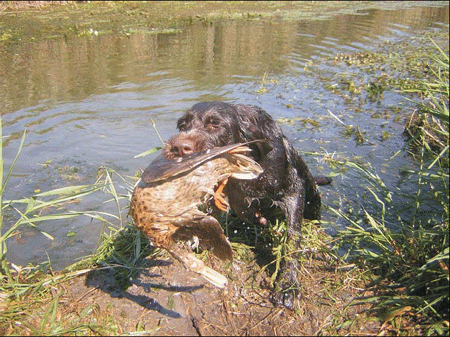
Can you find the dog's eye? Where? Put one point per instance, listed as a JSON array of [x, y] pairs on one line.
[[181, 126], [212, 124]]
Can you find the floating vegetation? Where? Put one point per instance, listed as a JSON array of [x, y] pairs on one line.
[[351, 130], [262, 89], [394, 66], [302, 121]]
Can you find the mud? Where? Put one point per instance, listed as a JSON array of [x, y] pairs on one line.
[[164, 298]]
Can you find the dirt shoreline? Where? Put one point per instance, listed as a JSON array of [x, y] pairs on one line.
[[166, 299]]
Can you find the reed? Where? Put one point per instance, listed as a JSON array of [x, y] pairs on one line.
[[24, 288], [403, 238]]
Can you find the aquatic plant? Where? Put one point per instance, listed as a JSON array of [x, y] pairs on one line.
[[403, 238], [428, 125], [24, 287]]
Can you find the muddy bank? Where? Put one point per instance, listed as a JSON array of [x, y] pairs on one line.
[[163, 298]]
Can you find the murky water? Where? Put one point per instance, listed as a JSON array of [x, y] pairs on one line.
[[87, 102]]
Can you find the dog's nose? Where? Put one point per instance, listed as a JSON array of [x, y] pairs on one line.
[[182, 147]]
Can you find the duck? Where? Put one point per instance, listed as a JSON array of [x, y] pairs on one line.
[[166, 201]]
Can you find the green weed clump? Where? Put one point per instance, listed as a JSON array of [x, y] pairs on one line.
[[23, 290], [427, 127], [404, 238]]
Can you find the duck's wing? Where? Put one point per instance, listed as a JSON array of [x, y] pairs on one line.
[[162, 168], [210, 236]]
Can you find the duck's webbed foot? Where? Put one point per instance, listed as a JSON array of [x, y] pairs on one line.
[[197, 266]]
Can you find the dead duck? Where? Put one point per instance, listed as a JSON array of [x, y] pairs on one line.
[[165, 203]]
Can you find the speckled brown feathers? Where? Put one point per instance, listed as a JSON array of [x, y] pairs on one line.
[[165, 202]]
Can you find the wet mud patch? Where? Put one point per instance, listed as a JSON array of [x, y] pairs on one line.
[[161, 297]]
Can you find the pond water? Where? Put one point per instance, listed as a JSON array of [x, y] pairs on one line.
[[87, 102]]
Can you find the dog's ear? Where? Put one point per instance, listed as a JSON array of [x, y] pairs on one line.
[[255, 123], [265, 147], [260, 149], [248, 122]]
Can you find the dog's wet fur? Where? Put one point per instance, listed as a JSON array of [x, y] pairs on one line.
[[285, 184]]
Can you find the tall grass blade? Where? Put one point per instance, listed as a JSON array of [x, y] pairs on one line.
[[146, 153], [13, 164]]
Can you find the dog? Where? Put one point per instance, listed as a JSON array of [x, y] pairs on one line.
[[286, 183]]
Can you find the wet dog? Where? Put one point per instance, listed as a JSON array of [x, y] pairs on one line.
[[286, 183]]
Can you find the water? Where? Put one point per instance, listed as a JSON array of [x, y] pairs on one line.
[[87, 102]]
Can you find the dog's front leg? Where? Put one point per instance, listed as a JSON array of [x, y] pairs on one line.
[[287, 287]]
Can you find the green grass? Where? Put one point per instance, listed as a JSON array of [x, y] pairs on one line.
[[428, 125], [23, 289], [409, 254], [30, 296]]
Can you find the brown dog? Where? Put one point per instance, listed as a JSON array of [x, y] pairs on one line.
[[285, 184]]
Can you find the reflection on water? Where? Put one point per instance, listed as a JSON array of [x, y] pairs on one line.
[[87, 102], [208, 54]]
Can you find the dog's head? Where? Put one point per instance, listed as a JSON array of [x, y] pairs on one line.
[[221, 124], [216, 119]]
